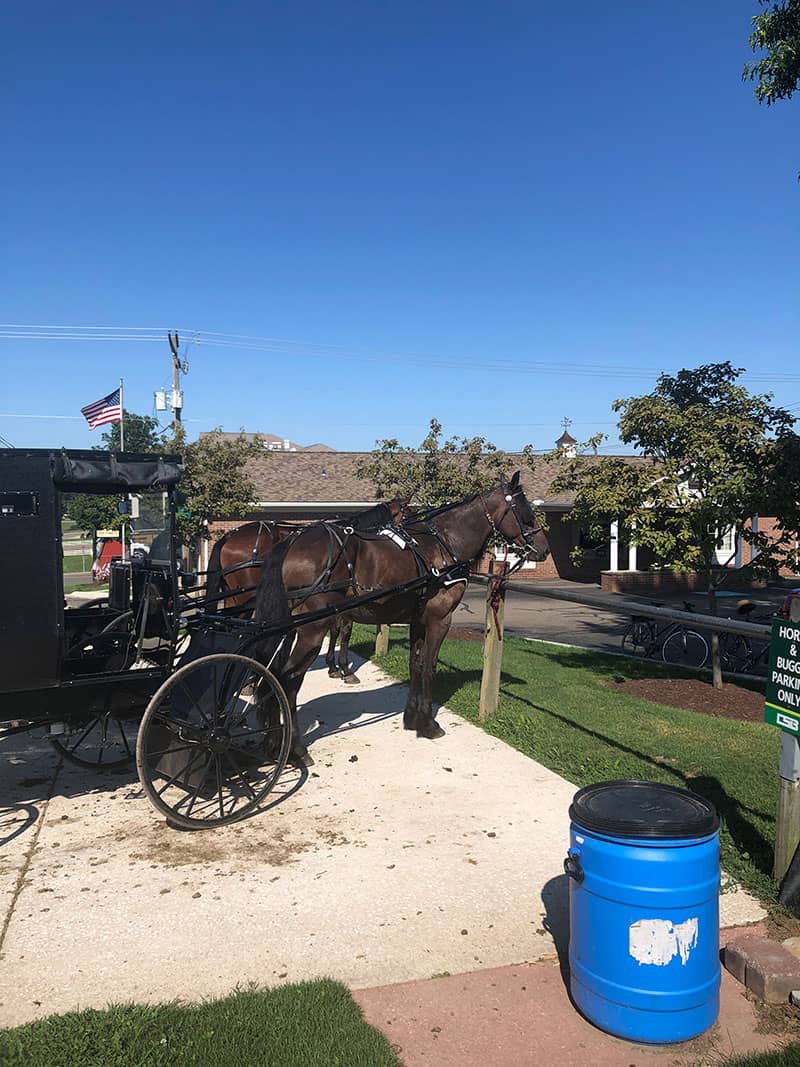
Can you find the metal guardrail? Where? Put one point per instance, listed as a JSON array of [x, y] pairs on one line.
[[635, 607]]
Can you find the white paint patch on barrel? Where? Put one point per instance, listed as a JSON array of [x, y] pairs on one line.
[[657, 941]]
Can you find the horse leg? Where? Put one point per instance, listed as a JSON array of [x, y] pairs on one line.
[[330, 655], [435, 632], [345, 633], [415, 654], [305, 651]]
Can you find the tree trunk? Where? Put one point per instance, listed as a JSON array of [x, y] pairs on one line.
[[716, 666]]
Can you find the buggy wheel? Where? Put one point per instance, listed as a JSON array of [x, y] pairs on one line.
[[105, 742], [636, 639], [686, 648], [213, 741]]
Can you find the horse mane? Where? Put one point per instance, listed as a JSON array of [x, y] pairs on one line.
[[427, 514], [372, 517]]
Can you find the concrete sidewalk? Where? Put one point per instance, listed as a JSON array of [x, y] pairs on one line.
[[395, 859]]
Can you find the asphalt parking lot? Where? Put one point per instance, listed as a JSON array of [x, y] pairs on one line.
[[547, 620], [596, 628]]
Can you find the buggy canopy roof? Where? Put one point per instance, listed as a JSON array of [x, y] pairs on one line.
[[89, 471]]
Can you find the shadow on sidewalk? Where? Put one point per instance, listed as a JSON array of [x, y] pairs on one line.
[[555, 898]]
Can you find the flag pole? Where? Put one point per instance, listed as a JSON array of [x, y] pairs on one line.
[[121, 420], [122, 449]]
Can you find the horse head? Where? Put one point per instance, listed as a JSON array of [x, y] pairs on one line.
[[400, 509], [509, 513]]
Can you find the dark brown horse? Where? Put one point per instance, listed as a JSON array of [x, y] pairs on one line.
[[237, 557], [307, 574]]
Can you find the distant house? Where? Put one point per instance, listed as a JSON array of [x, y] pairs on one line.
[[272, 442]]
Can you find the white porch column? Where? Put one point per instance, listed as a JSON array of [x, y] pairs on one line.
[[613, 562], [632, 550]]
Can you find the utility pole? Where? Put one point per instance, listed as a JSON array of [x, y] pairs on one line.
[[178, 366]]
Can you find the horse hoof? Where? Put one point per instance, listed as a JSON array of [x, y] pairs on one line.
[[332, 672], [302, 759], [351, 679], [430, 731], [409, 722]]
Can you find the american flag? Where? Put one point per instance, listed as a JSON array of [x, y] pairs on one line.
[[102, 411]]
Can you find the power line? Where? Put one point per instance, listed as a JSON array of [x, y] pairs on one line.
[[316, 350], [17, 415]]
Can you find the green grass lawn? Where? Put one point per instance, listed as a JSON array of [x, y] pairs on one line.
[[78, 564], [312, 1024], [788, 1057], [556, 707]]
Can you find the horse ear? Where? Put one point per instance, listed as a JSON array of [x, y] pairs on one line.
[[514, 483]]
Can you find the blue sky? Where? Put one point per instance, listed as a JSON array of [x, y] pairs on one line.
[[495, 214]]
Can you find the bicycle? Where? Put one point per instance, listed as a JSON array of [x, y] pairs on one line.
[[677, 644], [744, 655]]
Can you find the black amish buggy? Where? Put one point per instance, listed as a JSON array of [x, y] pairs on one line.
[[140, 672]]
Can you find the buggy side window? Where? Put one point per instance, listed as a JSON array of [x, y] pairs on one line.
[[15, 504]]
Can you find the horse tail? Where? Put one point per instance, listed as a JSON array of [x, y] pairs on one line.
[[272, 606], [214, 578]]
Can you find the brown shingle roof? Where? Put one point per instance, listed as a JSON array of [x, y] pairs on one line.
[[329, 477]]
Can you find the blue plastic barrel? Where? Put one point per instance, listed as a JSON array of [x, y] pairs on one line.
[[644, 910]]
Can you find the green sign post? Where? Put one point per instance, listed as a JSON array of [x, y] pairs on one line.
[[782, 709], [782, 701]]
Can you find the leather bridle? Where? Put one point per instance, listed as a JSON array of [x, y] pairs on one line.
[[525, 542]]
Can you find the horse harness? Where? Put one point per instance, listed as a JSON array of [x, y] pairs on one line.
[[429, 578]]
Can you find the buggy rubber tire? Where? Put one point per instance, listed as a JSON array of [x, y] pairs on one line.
[[685, 648], [155, 718]]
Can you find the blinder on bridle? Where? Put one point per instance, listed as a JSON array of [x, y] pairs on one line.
[[527, 531]]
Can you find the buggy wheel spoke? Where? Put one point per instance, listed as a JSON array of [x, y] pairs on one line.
[[84, 735], [215, 690], [193, 702], [196, 793], [240, 774], [255, 733], [124, 738], [167, 751], [177, 774], [218, 773], [176, 726]]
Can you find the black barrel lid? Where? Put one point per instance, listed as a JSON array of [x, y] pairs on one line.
[[643, 809]]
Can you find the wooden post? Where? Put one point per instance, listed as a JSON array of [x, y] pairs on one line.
[[382, 640], [492, 651], [787, 827]]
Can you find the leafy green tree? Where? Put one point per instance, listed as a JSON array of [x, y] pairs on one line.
[[92, 513], [438, 471], [216, 484], [142, 434], [711, 451], [776, 33]]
